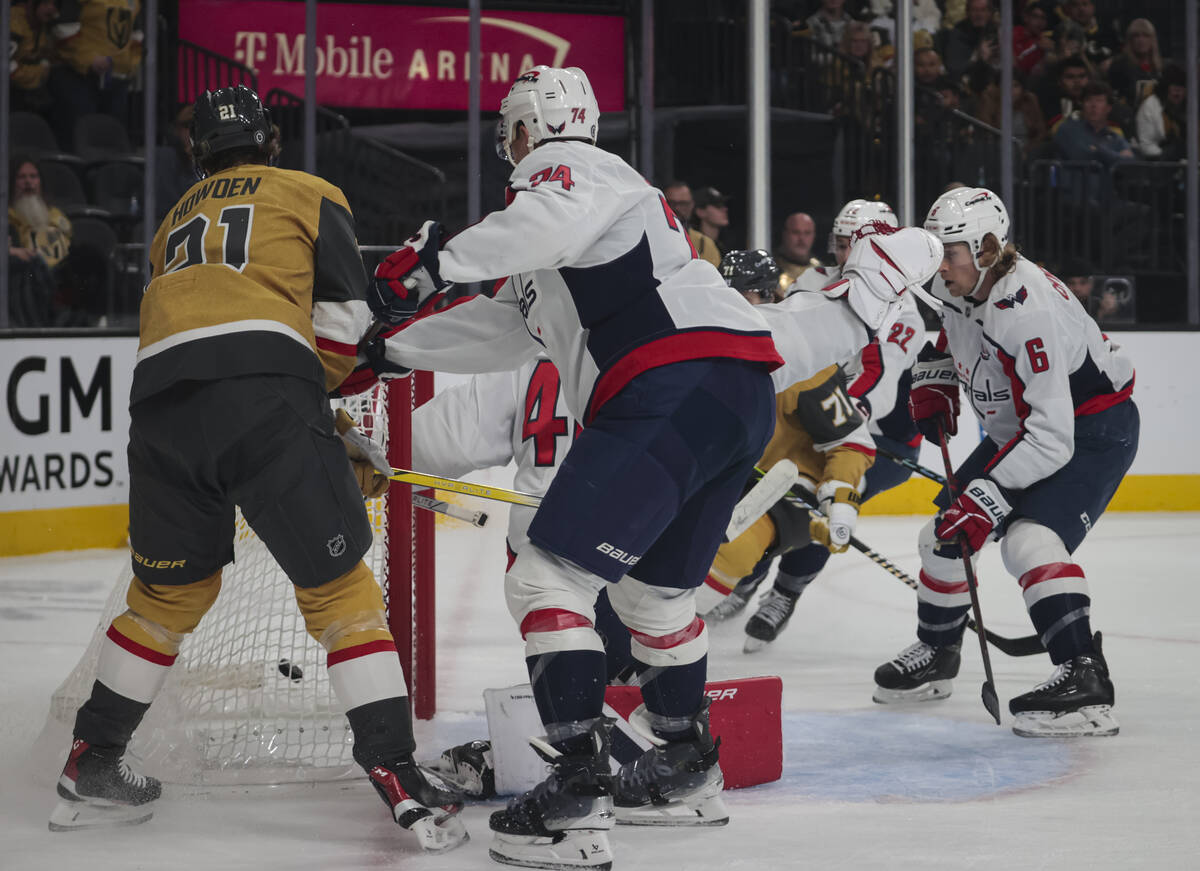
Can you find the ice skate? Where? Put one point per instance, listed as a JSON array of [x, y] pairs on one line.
[[97, 788], [1075, 702], [737, 600], [769, 620], [919, 673], [562, 822], [677, 783], [422, 803], [468, 768]]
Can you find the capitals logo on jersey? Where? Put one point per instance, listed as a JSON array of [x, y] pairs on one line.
[[1013, 299]]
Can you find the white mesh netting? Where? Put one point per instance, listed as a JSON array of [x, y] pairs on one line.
[[248, 700]]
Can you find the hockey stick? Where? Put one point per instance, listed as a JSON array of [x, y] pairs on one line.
[[913, 465], [988, 691], [767, 490], [1027, 645], [475, 518], [437, 482]]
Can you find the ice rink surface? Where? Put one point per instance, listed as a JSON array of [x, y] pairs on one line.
[[864, 786]]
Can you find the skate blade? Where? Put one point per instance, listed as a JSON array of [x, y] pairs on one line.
[[579, 848], [438, 835], [710, 811], [933, 691], [753, 645], [69, 816], [1093, 721]]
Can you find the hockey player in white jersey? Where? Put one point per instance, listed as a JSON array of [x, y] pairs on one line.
[[668, 372], [1053, 396]]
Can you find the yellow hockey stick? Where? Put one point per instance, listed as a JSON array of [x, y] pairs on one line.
[[499, 494]]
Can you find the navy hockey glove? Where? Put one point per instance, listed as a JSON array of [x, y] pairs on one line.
[[933, 397], [407, 277], [976, 512], [373, 367]]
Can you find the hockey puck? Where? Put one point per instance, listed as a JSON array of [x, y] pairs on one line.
[[292, 672]]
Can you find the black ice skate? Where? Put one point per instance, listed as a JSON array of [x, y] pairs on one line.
[[919, 673], [563, 821], [768, 621], [468, 768], [1076, 701], [97, 788], [677, 783], [738, 598], [421, 803]]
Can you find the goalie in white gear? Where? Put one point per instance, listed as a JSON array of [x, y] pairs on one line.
[[1053, 396]]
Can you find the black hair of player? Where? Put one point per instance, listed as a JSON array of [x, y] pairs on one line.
[[231, 126], [747, 271]]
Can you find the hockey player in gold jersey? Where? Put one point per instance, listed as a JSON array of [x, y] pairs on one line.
[[254, 311]]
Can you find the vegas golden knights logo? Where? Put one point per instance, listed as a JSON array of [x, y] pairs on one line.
[[120, 26]]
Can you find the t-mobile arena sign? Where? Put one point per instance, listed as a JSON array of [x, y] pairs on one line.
[[406, 57]]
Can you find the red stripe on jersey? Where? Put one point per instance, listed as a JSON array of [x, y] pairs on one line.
[[512, 556], [662, 642], [678, 348], [872, 363], [937, 586], [710, 581], [942, 342], [383, 645], [343, 348], [1105, 401], [552, 620], [141, 651], [1009, 364], [862, 449], [1049, 572]]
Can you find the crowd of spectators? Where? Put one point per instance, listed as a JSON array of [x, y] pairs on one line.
[[70, 62]]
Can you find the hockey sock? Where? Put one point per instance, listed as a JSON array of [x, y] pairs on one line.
[[672, 695], [1057, 597], [808, 560], [568, 685], [107, 718], [943, 597], [620, 663], [794, 585], [382, 731]]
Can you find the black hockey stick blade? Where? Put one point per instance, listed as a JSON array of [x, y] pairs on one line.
[[990, 700], [1026, 645]]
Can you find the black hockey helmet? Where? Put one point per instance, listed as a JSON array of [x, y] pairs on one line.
[[229, 119], [750, 271]]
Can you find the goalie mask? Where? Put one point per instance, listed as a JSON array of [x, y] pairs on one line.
[[228, 119], [856, 214], [551, 103]]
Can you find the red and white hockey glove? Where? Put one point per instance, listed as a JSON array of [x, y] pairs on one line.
[[407, 277], [881, 266], [933, 397], [975, 513]]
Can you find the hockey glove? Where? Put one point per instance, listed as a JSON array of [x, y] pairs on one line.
[[373, 367], [880, 268], [933, 397], [407, 277], [371, 467], [975, 513], [838, 502]]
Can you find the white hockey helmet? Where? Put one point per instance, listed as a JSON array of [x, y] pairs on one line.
[[969, 215], [552, 103], [857, 213]]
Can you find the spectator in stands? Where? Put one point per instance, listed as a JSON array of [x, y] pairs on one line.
[[827, 23], [100, 50], [1090, 137], [1029, 127], [39, 240], [850, 76], [926, 16], [1033, 40], [972, 40], [710, 215], [1162, 117], [31, 46], [679, 198], [927, 68], [1061, 97], [1139, 65], [794, 254], [174, 172], [1099, 44], [1078, 277]]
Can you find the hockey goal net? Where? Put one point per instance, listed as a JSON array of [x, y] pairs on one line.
[[249, 700]]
